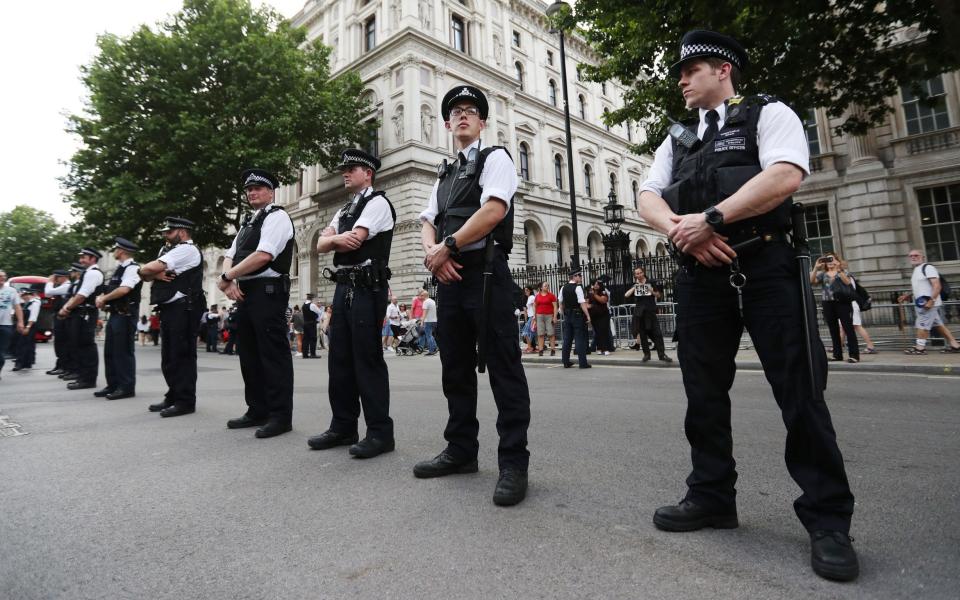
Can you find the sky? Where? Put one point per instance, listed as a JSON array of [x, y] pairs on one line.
[[41, 58]]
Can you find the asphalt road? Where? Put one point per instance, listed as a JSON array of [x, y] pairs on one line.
[[104, 500]]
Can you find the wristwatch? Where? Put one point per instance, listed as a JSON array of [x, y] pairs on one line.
[[224, 277], [451, 243], [714, 217]]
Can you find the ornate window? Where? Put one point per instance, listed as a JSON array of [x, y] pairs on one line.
[[587, 181], [813, 134], [923, 116], [550, 57], [516, 39], [635, 189], [552, 89], [940, 221], [583, 107], [370, 34], [518, 73], [524, 162], [819, 231], [558, 171], [458, 33]]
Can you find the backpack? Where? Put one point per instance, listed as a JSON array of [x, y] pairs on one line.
[[862, 296], [944, 286]]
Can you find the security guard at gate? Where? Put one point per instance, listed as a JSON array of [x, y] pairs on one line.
[[56, 289], [467, 235], [257, 276], [81, 308], [360, 235], [121, 296], [177, 291], [722, 195], [576, 317]]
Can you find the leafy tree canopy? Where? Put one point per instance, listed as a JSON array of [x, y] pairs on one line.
[[816, 53], [175, 115], [32, 243]]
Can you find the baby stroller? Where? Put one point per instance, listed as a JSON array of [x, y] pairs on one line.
[[409, 343]]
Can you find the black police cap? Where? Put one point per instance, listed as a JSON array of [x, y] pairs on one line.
[[61, 272], [576, 272], [352, 156], [176, 223], [77, 267], [464, 93], [252, 177], [700, 43], [125, 244], [91, 252]]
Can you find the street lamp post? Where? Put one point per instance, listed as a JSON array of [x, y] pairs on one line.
[[617, 248], [553, 10]]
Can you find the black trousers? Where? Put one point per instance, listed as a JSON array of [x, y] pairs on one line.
[[27, 348], [213, 336], [60, 343], [265, 359], [709, 327], [309, 341], [458, 322], [88, 358], [179, 324], [647, 326], [358, 373], [837, 314], [574, 329], [119, 360], [71, 330]]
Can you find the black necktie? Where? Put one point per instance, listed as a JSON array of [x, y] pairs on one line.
[[713, 118]]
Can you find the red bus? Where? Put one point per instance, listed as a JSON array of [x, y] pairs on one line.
[[44, 329]]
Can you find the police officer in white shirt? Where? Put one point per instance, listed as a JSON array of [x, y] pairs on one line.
[[360, 236], [177, 291], [82, 308], [27, 347], [121, 296], [56, 289], [723, 198], [257, 276]]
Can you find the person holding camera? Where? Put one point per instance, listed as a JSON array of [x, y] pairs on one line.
[[837, 297]]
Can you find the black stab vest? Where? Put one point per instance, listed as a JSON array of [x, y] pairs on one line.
[[248, 238], [376, 249], [309, 317], [132, 298], [568, 295], [707, 174], [189, 283], [458, 198]]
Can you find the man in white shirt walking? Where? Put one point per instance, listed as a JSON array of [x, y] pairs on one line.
[[927, 290]]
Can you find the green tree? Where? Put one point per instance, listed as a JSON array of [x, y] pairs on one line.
[[32, 243], [817, 53], [174, 115]]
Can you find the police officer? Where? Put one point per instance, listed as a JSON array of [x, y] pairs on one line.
[[467, 235], [71, 325], [360, 236], [576, 317], [56, 289], [177, 291], [310, 314], [82, 308], [27, 348], [723, 197], [646, 326], [256, 276], [121, 296]]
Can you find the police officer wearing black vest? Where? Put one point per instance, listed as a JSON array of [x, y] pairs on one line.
[[257, 276], [56, 288], [576, 317], [309, 311], [722, 194], [83, 310], [467, 235], [121, 296], [360, 236], [177, 291], [70, 325]]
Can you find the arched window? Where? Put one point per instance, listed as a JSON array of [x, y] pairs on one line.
[[587, 183], [635, 187], [524, 162], [583, 106], [558, 171], [552, 90], [518, 73]]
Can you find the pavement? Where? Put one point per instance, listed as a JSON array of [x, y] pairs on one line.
[[102, 499]]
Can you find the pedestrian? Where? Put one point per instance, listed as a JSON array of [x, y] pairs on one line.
[[360, 236], [576, 318], [546, 304], [9, 308], [837, 296], [528, 332], [257, 277], [391, 325], [698, 194], [927, 291], [599, 300], [467, 235], [121, 297], [56, 289], [231, 327], [646, 325], [325, 325], [212, 319], [416, 311], [858, 319], [177, 293], [27, 348], [143, 329], [82, 309], [155, 327], [429, 306], [297, 342], [311, 314]]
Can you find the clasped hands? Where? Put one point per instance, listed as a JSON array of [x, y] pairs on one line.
[[439, 262], [692, 235]]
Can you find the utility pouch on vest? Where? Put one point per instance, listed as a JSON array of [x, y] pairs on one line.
[[731, 179], [680, 196]]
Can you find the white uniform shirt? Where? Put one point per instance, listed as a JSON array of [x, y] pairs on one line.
[[276, 231], [375, 218], [498, 180], [130, 277], [8, 299], [92, 279], [182, 257], [920, 282], [780, 138], [56, 290], [31, 312], [580, 297]]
